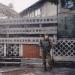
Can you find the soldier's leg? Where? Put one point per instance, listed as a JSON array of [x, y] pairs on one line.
[[49, 61], [44, 60]]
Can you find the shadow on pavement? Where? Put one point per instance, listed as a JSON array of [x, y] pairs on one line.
[[68, 64]]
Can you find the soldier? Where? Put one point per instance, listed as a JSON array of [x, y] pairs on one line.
[[46, 47]]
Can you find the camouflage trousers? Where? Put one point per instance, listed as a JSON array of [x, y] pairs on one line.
[[46, 56]]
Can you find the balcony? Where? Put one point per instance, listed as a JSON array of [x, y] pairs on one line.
[[36, 30], [34, 20], [26, 40]]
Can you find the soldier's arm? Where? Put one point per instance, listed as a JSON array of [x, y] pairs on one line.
[[51, 44]]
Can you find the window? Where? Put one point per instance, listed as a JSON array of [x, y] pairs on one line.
[[37, 12], [32, 14]]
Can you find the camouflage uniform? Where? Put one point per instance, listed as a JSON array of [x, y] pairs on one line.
[[46, 45]]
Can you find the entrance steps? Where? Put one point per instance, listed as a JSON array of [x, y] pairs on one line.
[[10, 61], [32, 62]]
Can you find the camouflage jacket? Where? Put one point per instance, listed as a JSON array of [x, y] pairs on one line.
[[46, 44]]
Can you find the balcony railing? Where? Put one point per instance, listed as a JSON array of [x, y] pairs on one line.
[[26, 40], [34, 20], [36, 30]]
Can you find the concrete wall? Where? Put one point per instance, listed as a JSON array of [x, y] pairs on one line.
[[48, 9]]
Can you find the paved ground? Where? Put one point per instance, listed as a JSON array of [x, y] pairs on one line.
[[59, 68], [31, 70]]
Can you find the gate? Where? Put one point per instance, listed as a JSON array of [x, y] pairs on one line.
[[31, 51]]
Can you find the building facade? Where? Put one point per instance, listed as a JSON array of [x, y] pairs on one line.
[[20, 37], [42, 8]]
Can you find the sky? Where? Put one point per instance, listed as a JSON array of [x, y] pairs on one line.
[[18, 5]]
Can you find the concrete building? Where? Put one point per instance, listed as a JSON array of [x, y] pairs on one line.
[[42, 8], [7, 12], [20, 36]]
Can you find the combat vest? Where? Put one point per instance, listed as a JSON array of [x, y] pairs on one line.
[[46, 44]]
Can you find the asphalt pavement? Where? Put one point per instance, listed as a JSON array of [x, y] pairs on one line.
[[33, 70]]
